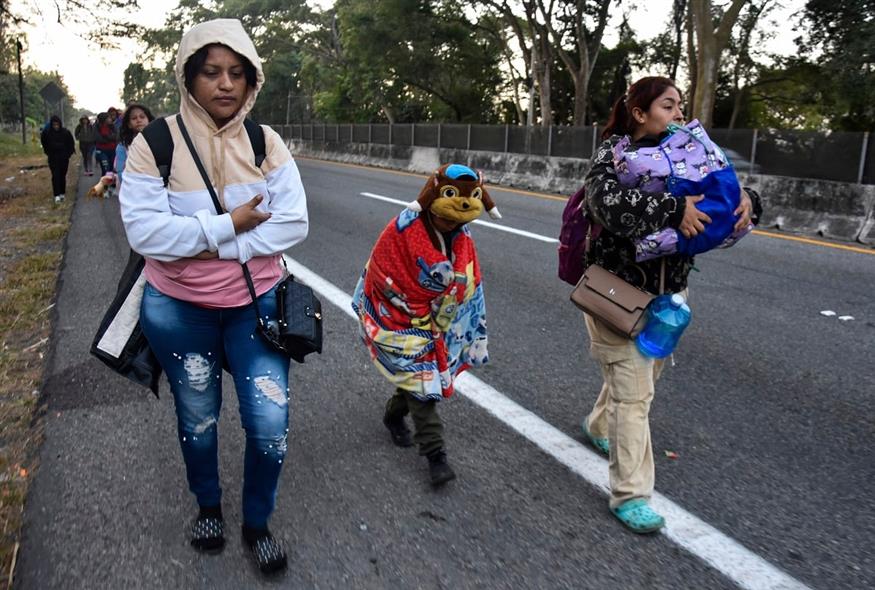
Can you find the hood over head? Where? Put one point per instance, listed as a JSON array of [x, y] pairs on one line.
[[223, 31]]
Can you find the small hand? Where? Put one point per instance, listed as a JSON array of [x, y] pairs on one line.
[[247, 217], [745, 208], [694, 220]]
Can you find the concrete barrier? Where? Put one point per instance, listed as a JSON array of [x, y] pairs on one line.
[[836, 210]]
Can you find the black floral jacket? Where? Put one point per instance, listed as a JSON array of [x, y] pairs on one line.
[[628, 214]]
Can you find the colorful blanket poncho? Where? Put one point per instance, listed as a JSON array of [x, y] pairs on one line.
[[422, 313]]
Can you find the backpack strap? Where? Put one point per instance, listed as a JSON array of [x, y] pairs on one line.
[[157, 135], [256, 138]]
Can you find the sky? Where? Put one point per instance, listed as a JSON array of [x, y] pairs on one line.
[[95, 77]]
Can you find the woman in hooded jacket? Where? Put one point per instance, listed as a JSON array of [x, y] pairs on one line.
[[197, 313], [59, 146]]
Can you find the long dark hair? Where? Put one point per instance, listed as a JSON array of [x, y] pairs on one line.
[[641, 94], [127, 134]]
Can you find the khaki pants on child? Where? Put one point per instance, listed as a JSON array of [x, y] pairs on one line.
[[428, 429], [621, 412]]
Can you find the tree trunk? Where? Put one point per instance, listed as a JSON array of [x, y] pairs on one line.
[[541, 73], [708, 62], [692, 66], [710, 45], [581, 92]]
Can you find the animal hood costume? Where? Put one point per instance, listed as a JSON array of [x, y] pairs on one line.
[[419, 301]]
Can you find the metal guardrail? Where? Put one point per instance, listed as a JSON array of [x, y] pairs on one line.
[[836, 155]]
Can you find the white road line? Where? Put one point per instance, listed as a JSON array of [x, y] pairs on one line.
[[511, 230], [721, 552]]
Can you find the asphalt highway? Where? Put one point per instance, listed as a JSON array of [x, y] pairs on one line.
[[770, 410]]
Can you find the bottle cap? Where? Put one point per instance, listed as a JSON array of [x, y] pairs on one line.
[[677, 300]]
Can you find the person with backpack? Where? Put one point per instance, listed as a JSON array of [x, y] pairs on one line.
[[197, 312], [59, 146], [617, 216], [86, 136]]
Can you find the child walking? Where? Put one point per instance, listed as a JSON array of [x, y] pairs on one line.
[[422, 310]]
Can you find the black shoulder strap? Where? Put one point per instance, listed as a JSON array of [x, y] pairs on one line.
[[157, 135], [256, 138]]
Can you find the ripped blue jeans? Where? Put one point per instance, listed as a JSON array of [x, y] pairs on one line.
[[192, 344]]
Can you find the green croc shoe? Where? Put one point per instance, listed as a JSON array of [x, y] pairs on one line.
[[638, 516], [601, 444]]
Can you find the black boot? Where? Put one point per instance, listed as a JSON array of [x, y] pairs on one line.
[[398, 430], [208, 530], [438, 468], [269, 555]]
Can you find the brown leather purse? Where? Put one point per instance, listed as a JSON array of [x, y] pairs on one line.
[[605, 296]]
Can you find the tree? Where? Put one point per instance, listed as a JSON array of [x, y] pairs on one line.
[[711, 38], [75, 14], [576, 46], [842, 35]]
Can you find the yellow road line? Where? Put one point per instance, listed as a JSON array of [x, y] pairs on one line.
[[814, 242], [758, 232]]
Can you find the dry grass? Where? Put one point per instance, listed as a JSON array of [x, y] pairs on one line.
[[32, 231]]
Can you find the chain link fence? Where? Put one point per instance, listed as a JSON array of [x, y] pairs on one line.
[[836, 155]]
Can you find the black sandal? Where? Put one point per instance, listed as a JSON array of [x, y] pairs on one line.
[[269, 555], [208, 531]]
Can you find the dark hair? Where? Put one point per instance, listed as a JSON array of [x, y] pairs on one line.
[[101, 118], [55, 118], [196, 62], [641, 94], [127, 134]]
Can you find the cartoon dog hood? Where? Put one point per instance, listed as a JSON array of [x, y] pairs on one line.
[[230, 33], [455, 192]]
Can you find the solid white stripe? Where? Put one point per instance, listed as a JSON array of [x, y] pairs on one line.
[[723, 553], [511, 230]]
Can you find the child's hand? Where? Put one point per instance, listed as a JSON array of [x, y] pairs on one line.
[[694, 220], [745, 208]]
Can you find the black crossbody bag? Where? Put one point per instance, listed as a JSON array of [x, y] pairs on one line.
[[298, 331]]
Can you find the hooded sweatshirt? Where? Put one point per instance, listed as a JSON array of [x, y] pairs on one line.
[[58, 144], [169, 226]]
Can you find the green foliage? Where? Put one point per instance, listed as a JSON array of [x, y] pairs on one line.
[[841, 33], [11, 146], [34, 107]]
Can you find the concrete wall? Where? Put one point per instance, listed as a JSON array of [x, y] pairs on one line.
[[811, 207]]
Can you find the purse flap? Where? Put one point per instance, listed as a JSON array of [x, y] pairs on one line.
[[612, 287]]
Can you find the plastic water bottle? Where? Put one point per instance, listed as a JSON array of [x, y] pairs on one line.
[[667, 317]]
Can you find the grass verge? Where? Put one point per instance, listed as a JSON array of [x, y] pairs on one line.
[[32, 232]]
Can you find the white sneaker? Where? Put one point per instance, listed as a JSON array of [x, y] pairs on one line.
[[57, 198], [62, 198]]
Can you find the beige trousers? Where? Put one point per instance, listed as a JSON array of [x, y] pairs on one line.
[[621, 412]]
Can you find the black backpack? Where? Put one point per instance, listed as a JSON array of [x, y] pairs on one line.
[[157, 135]]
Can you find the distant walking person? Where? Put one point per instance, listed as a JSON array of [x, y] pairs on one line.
[[198, 312], [135, 119], [59, 146], [86, 135], [107, 140]]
